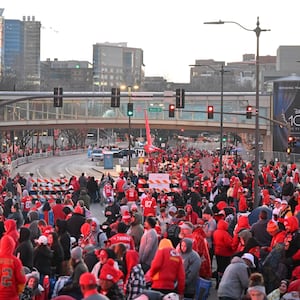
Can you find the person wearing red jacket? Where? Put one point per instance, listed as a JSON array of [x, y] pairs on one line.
[[292, 243], [122, 237], [278, 235], [166, 269], [131, 195], [191, 216], [12, 277], [222, 241]]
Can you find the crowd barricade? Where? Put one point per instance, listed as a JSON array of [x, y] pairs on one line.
[[173, 185], [45, 189]]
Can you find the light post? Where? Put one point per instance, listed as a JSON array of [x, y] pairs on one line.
[[129, 90], [222, 71], [257, 31]]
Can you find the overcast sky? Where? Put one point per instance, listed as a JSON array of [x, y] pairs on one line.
[[170, 32]]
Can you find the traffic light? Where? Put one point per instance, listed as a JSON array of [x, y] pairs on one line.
[[171, 111], [180, 95], [210, 112], [115, 97], [58, 97], [249, 112], [129, 109], [291, 144]]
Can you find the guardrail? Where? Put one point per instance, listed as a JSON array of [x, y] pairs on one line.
[[28, 159]]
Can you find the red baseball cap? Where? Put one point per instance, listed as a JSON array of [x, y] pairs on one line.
[[87, 278]]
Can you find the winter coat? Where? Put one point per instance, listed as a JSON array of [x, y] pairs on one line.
[[192, 263], [42, 256], [85, 197], [166, 269], [136, 230], [74, 224], [11, 230], [222, 240], [200, 245], [234, 280], [64, 238], [148, 247], [14, 265], [25, 248]]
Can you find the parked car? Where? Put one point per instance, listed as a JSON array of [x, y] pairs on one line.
[[123, 152], [97, 154]]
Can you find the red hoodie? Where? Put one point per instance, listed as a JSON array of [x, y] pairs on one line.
[[12, 277], [11, 230], [166, 269], [222, 240]]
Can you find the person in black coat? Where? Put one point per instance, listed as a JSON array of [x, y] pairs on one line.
[[42, 256], [25, 249], [65, 241], [75, 222], [58, 254]]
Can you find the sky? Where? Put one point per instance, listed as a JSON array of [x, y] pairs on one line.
[[170, 32]]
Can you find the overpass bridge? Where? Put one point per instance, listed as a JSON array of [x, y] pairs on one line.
[[34, 110]]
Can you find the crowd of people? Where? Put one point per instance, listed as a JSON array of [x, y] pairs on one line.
[[153, 244]]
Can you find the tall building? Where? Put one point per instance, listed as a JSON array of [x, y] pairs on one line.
[[13, 66], [32, 51], [21, 53], [115, 64], [1, 40], [72, 75]]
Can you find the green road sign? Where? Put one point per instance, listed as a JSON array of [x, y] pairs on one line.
[[155, 109]]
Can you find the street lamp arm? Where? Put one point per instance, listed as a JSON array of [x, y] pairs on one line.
[[220, 22], [257, 30]]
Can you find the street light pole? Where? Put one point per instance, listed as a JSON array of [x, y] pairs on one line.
[[257, 31], [221, 121], [129, 132]]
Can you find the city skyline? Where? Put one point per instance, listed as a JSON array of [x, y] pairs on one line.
[[171, 34]]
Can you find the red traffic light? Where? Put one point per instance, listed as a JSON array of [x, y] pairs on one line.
[[171, 111], [249, 112], [210, 112], [290, 139]]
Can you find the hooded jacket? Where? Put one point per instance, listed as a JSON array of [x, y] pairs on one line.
[[136, 230], [166, 269], [222, 239], [192, 263], [11, 230], [200, 245], [293, 235], [10, 286], [25, 248], [234, 280], [64, 238]]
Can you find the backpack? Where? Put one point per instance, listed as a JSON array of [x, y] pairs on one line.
[[173, 231]]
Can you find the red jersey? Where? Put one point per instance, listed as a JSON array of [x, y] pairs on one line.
[[131, 195], [108, 190], [12, 277], [149, 206], [123, 238], [119, 185], [26, 203]]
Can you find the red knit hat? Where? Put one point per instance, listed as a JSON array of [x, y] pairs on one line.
[[87, 278], [109, 272]]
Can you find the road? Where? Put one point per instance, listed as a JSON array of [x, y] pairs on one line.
[[55, 167]]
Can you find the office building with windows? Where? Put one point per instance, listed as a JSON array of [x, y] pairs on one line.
[[115, 64]]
